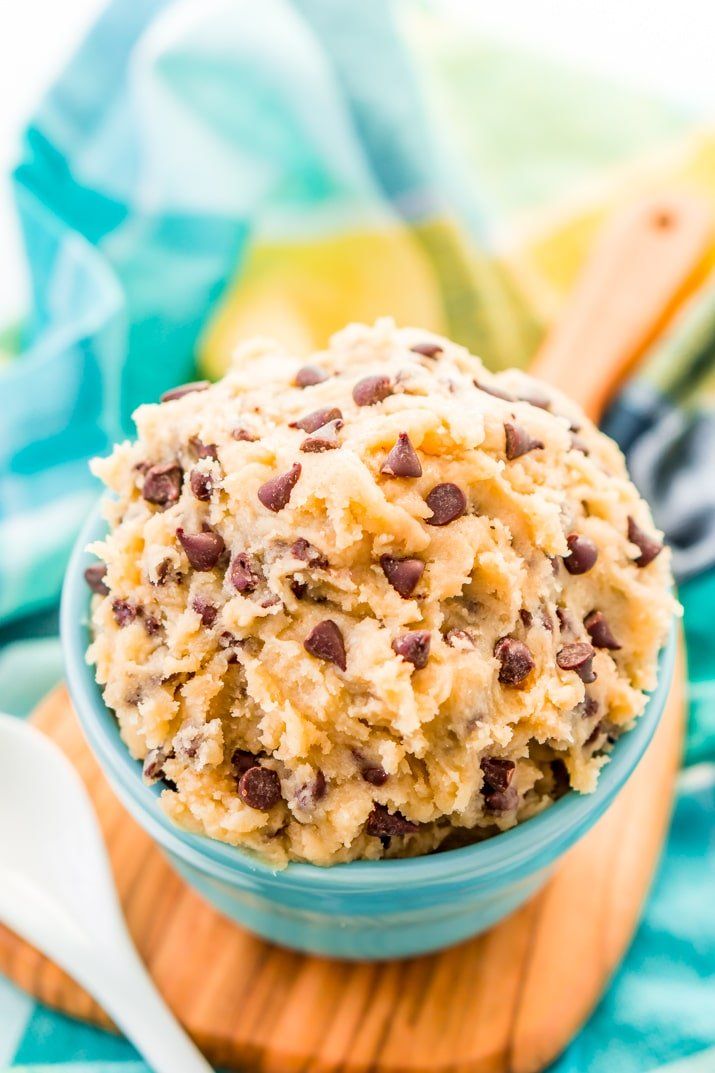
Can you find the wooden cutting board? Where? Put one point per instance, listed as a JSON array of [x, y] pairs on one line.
[[509, 1000]]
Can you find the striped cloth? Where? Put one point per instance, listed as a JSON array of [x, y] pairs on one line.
[[204, 170]]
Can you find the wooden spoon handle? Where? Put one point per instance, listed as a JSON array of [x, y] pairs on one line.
[[630, 287]]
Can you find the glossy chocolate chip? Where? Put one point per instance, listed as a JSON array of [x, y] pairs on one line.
[[124, 612], [649, 546], [371, 390], [516, 661], [413, 647], [579, 658], [498, 773], [203, 550], [599, 631], [582, 554], [203, 450], [402, 461], [276, 492], [375, 774], [495, 392], [325, 641], [384, 824], [447, 503], [94, 576], [185, 389], [309, 375], [305, 552], [313, 421], [501, 800], [243, 435], [205, 610], [325, 439], [201, 485], [428, 350], [519, 442], [308, 795], [162, 484], [403, 574], [244, 576], [260, 788], [242, 760]]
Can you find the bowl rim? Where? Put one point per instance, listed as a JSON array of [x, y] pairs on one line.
[[504, 853]]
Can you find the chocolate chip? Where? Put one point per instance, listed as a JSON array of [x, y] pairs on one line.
[[201, 485], [242, 760], [599, 631], [276, 492], [304, 551], [203, 550], [308, 795], [516, 661], [402, 461], [162, 484], [384, 824], [526, 617], [579, 658], [560, 776], [244, 577], [413, 647], [260, 788], [649, 546], [429, 350], [455, 636], [325, 439], [309, 375], [243, 435], [589, 707], [125, 612], [577, 444], [567, 622], [203, 450], [535, 397], [371, 390], [403, 574], [583, 554], [151, 625], [519, 442], [447, 503], [185, 389], [501, 800], [298, 588], [325, 642], [498, 773], [315, 420], [153, 766], [94, 576], [375, 774], [205, 610], [495, 392]]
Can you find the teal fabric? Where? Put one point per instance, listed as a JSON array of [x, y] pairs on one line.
[[124, 279]]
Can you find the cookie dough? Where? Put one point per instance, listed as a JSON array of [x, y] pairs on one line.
[[375, 604]]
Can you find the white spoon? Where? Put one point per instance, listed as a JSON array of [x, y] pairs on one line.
[[57, 892]]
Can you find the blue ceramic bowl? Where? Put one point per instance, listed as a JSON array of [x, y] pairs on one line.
[[364, 909]]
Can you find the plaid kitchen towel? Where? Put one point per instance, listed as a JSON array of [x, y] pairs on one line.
[[204, 170]]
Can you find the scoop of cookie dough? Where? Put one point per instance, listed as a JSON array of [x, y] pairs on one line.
[[373, 604]]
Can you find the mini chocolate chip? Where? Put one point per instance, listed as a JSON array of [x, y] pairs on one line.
[[495, 392], [203, 450], [242, 760], [577, 444], [649, 546], [151, 625], [583, 554], [579, 658], [519, 442], [201, 485], [260, 788], [244, 577], [498, 773], [304, 551], [206, 611], [203, 550], [315, 420], [501, 800], [375, 775], [243, 435], [298, 588], [308, 795], [94, 576], [429, 350], [402, 461], [153, 766], [372, 389], [309, 375], [567, 623], [125, 612], [599, 631], [384, 824], [325, 641], [516, 661], [447, 503], [325, 439], [185, 389], [276, 492], [413, 647], [403, 574], [589, 707], [526, 617], [162, 484], [455, 635]]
